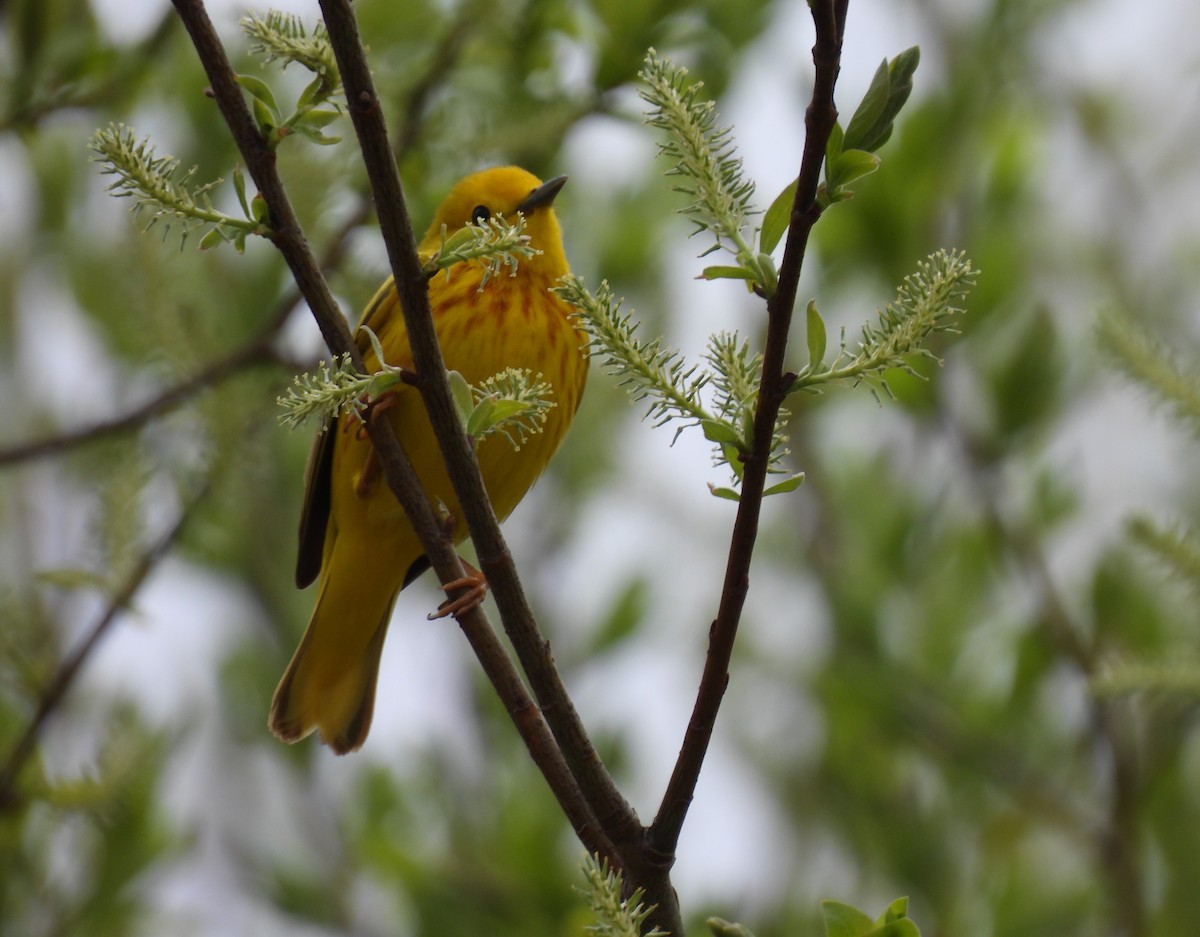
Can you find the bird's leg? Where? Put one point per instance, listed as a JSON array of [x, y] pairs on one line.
[[476, 586], [370, 412]]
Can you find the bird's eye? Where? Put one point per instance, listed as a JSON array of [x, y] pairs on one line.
[[481, 214]]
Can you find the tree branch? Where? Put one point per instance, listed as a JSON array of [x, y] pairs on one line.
[[258, 348], [829, 20], [73, 663], [608, 805], [289, 239], [253, 352]]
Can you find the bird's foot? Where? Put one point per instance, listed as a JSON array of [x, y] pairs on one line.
[[476, 587]]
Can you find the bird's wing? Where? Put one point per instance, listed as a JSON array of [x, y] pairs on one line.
[[314, 510]]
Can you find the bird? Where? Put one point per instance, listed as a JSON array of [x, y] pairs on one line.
[[355, 540]]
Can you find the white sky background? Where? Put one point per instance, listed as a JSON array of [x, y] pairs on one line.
[[733, 848]]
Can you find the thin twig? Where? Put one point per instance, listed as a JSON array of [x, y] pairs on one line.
[[829, 19], [211, 374], [258, 348], [614, 813], [73, 663], [401, 477]]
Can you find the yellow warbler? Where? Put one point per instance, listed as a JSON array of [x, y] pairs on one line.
[[354, 537]]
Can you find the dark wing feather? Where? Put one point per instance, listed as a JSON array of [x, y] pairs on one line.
[[314, 513]]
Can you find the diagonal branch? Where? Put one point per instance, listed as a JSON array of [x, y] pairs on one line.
[[829, 17], [258, 348], [253, 352], [72, 664], [289, 239], [619, 821], [411, 285]]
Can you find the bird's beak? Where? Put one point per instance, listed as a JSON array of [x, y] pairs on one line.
[[543, 195]]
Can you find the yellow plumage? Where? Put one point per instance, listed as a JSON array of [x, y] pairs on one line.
[[354, 537]]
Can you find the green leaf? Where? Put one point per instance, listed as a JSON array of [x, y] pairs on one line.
[[816, 337], [213, 239], [901, 928], [895, 911], [870, 109], [482, 416], [314, 92], [503, 409], [381, 382], [259, 91], [266, 117], [319, 117], [726, 273], [727, 493], [239, 186], [314, 134], [768, 276], [460, 390], [723, 928], [719, 432], [901, 68], [777, 218], [900, 85], [833, 146], [376, 345], [783, 487], [258, 209], [733, 455], [843, 920], [854, 164]]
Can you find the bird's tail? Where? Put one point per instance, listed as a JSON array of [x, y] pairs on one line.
[[329, 685]]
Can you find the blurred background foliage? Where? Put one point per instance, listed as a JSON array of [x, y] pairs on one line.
[[915, 707]]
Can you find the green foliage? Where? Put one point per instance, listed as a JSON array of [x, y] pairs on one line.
[[649, 371], [1175, 546], [704, 156], [513, 403], [842, 920], [496, 242], [283, 37], [903, 693], [850, 153], [158, 189], [722, 928], [1145, 359], [924, 303], [114, 824], [660, 375], [616, 915], [333, 389]]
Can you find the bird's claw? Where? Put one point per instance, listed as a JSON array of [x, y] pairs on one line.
[[476, 587]]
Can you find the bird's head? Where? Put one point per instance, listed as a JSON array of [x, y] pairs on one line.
[[503, 192]]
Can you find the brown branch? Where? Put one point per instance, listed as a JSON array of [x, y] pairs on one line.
[[829, 19], [72, 664], [289, 239], [214, 372], [531, 647], [258, 348]]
